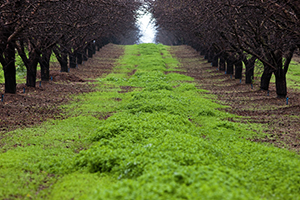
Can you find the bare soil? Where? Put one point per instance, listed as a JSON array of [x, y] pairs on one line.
[[41, 103], [280, 120]]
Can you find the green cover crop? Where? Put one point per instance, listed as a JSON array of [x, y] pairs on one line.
[[164, 139]]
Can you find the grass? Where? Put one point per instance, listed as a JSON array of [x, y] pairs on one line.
[[165, 139], [293, 75]]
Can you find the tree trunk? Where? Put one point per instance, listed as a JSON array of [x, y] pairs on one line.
[[94, 48], [90, 50], [249, 74], [10, 70], [45, 65], [98, 44], [31, 61], [238, 69], [31, 69], [215, 62], [79, 57], [64, 62], [72, 59], [31, 74], [206, 54], [281, 88], [210, 56], [62, 58], [222, 64], [265, 79], [202, 52], [84, 56], [229, 66], [249, 69]]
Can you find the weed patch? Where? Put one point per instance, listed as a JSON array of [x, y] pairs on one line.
[[164, 139]]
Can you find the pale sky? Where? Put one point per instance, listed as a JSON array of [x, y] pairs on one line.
[[147, 29]]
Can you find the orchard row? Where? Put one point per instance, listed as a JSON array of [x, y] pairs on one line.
[[37, 28], [235, 32]]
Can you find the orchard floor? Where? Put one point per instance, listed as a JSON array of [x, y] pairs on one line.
[[38, 104], [137, 133], [280, 121], [41, 103]]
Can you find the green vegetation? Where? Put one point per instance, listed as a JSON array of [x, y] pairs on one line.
[[1, 74], [164, 139], [293, 75]]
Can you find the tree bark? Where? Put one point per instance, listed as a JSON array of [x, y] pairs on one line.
[[222, 64], [210, 56], [229, 66], [45, 65], [202, 52], [30, 62], [62, 58], [72, 59], [9, 69], [249, 74], [206, 54], [215, 62], [90, 50], [94, 48], [238, 69], [98, 44], [64, 62], [280, 82], [265, 79], [79, 57], [31, 73], [249, 63], [84, 56]]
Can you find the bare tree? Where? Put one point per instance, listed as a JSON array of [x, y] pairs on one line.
[[37, 27], [234, 30]]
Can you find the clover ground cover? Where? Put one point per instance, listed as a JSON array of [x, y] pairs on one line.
[[164, 139]]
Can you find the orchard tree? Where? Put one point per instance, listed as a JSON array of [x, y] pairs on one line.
[[37, 27], [231, 31]]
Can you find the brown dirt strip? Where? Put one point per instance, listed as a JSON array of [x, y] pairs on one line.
[[41, 103], [255, 106]]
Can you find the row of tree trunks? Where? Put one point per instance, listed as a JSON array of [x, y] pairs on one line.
[[230, 64], [76, 57], [234, 66]]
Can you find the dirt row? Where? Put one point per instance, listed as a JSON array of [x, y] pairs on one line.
[[32, 106], [255, 106]]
